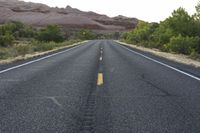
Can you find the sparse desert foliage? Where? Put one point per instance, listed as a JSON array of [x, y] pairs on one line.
[[179, 33]]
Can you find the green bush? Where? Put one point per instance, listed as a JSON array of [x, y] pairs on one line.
[[4, 53], [178, 33], [17, 39], [11, 27], [162, 35], [183, 45], [6, 40], [142, 34], [51, 33]]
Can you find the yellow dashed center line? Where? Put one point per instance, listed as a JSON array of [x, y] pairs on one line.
[[100, 79]]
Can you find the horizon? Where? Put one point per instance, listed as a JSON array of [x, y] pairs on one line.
[[155, 10]]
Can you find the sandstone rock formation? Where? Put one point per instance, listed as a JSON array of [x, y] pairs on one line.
[[70, 18]]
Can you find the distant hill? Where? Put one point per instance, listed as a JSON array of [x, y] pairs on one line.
[[70, 18]]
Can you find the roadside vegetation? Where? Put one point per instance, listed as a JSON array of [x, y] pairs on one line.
[[86, 34], [18, 39], [179, 33]]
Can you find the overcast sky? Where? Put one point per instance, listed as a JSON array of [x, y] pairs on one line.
[[148, 10]]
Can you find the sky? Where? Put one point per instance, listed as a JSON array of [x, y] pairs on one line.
[[147, 10]]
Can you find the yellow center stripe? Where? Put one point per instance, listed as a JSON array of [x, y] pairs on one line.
[[100, 79]]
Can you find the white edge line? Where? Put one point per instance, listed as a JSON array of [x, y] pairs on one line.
[[30, 62], [192, 76]]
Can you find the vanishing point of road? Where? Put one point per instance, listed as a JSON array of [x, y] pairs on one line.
[[99, 87]]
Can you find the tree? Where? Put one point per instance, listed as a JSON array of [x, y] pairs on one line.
[[181, 23], [142, 33], [196, 17], [197, 14], [178, 33]]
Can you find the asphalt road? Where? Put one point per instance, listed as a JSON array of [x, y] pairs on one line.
[[99, 87]]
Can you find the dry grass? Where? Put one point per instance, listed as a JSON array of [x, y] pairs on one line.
[[35, 54]]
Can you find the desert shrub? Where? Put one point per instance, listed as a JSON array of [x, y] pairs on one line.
[[178, 33], [6, 40], [51, 33], [162, 35], [18, 30], [3, 53], [27, 32], [183, 45], [142, 34]]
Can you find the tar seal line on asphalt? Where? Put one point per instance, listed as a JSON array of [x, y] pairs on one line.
[[88, 121], [89, 117]]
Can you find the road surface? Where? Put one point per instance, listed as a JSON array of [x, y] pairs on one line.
[[99, 87]]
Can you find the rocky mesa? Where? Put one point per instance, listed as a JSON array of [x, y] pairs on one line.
[[36, 14]]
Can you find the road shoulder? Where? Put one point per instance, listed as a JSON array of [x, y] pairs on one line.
[[5, 64], [37, 54], [183, 59]]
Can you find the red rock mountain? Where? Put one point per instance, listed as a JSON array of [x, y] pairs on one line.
[[72, 19]]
